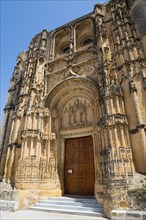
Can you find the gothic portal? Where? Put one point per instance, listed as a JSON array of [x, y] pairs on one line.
[[75, 117]]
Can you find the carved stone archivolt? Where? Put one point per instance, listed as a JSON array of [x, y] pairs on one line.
[[75, 84]]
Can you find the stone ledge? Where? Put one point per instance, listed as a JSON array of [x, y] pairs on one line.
[[128, 215], [7, 205]]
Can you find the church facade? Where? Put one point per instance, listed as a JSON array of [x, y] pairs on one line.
[[75, 117]]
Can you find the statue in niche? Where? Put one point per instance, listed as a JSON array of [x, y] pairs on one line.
[[76, 104], [122, 171], [112, 169], [69, 119], [42, 166], [129, 162], [54, 113], [81, 117], [74, 117], [116, 169], [132, 86], [52, 167], [27, 167], [33, 160]]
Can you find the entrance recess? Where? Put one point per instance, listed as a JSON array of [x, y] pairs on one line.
[[79, 166]]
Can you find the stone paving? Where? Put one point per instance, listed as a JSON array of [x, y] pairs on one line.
[[39, 215]]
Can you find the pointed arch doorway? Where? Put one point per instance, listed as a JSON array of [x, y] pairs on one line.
[[73, 105], [79, 172]]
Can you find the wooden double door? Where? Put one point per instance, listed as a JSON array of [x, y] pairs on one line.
[[79, 166]]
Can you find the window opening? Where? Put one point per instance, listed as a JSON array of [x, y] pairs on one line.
[[87, 41], [66, 50]]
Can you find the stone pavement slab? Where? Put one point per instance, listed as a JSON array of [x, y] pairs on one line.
[[38, 215]]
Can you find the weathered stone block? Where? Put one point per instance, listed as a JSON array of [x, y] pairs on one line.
[[118, 215], [133, 215], [7, 192], [143, 215], [137, 192], [7, 205]]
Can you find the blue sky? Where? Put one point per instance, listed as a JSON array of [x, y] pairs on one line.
[[22, 20]]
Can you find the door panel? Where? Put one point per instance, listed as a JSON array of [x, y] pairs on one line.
[[79, 166]]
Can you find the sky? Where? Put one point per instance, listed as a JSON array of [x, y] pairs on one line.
[[22, 20]]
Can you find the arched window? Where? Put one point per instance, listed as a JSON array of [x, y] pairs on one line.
[[87, 41], [66, 50]]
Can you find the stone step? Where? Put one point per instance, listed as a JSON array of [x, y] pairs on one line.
[[66, 211], [68, 205], [71, 203], [64, 198]]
